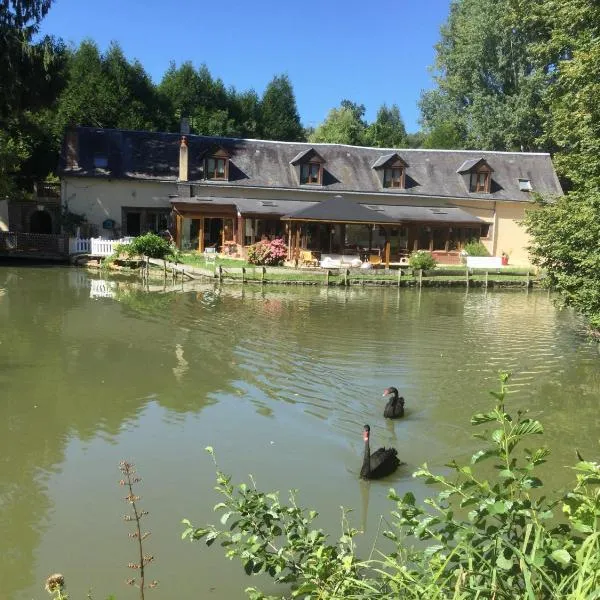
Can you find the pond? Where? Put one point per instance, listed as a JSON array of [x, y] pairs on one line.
[[278, 380]]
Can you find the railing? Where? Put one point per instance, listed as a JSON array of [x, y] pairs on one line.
[[79, 246], [95, 246], [38, 244]]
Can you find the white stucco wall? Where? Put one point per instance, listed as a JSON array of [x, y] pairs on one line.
[[99, 199]]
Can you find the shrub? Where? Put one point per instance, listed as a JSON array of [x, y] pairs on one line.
[[422, 259], [150, 245], [487, 533], [267, 252], [476, 248]]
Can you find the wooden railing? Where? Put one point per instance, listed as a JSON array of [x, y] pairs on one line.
[[38, 244]]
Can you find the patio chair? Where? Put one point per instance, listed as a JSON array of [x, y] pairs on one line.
[[308, 259], [210, 254], [375, 260]]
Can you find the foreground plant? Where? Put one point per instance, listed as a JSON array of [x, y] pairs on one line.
[[489, 533], [130, 478]]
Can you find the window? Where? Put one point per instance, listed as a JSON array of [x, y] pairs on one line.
[[216, 168], [393, 177], [525, 185], [480, 181], [100, 161], [311, 173]]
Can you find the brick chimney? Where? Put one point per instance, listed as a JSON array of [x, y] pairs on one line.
[[183, 159]]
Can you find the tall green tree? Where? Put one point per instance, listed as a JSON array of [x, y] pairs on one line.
[[108, 91], [388, 130], [280, 119], [343, 125], [566, 233], [29, 79], [490, 82]]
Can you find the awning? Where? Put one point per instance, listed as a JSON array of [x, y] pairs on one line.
[[339, 210], [428, 214], [243, 206]]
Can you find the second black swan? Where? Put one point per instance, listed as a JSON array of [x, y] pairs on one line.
[[379, 464], [394, 409]]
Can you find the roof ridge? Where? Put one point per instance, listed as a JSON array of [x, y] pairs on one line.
[[312, 144]]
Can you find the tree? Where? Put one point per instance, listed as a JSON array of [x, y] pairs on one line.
[[388, 130], [108, 91], [280, 118], [490, 82], [566, 234], [343, 125], [30, 77]]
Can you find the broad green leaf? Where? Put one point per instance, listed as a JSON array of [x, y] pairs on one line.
[[561, 556]]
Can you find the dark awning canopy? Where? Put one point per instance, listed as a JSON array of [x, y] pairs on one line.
[[339, 210], [429, 214]]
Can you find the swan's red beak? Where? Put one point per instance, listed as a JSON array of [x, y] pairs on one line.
[[366, 436], [386, 392]]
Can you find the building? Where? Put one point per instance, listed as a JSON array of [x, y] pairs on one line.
[[230, 193]]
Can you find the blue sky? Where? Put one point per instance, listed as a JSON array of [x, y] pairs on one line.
[[370, 53]]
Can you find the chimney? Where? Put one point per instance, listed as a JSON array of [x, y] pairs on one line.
[[184, 126], [183, 159]]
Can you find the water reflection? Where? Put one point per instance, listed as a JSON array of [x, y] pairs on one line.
[[279, 380]]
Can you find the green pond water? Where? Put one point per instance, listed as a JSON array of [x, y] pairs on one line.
[[279, 381]]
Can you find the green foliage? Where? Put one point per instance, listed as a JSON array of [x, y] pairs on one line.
[[421, 259], [388, 130], [476, 248], [487, 533], [490, 82], [280, 118], [342, 126], [150, 245], [565, 242]]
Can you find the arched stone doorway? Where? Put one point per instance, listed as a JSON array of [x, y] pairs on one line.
[[40, 222]]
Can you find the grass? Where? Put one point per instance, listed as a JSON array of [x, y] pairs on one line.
[[442, 273]]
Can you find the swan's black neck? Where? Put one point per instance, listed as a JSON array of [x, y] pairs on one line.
[[366, 467]]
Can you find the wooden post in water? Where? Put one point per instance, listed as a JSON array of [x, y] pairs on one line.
[[486, 280], [420, 277], [327, 278], [263, 271], [399, 276], [528, 282], [243, 274], [346, 274], [467, 275], [220, 272]]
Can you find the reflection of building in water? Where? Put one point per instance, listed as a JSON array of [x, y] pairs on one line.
[[182, 365], [100, 288]]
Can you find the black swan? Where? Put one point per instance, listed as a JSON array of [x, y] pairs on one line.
[[379, 464], [394, 409]]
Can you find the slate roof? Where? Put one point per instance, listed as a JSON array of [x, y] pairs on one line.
[[429, 214], [260, 163], [339, 209]]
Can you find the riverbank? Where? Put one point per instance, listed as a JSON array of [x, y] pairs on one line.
[[227, 271]]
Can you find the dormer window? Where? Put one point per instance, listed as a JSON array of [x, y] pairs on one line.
[[477, 175], [391, 169], [216, 165], [311, 173], [216, 168], [480, 181], [393, 177], [309, 167]]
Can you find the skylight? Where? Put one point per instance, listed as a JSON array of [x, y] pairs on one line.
[[525, 185]]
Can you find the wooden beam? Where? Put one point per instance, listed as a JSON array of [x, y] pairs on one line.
[[387, 254], [178, 229], [201, 236]]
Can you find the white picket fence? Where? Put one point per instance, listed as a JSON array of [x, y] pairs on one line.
[[95, 246]]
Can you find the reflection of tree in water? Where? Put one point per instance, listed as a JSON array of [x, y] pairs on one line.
[[71, 366]]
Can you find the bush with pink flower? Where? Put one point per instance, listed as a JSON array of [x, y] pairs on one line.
[[266, 252]]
